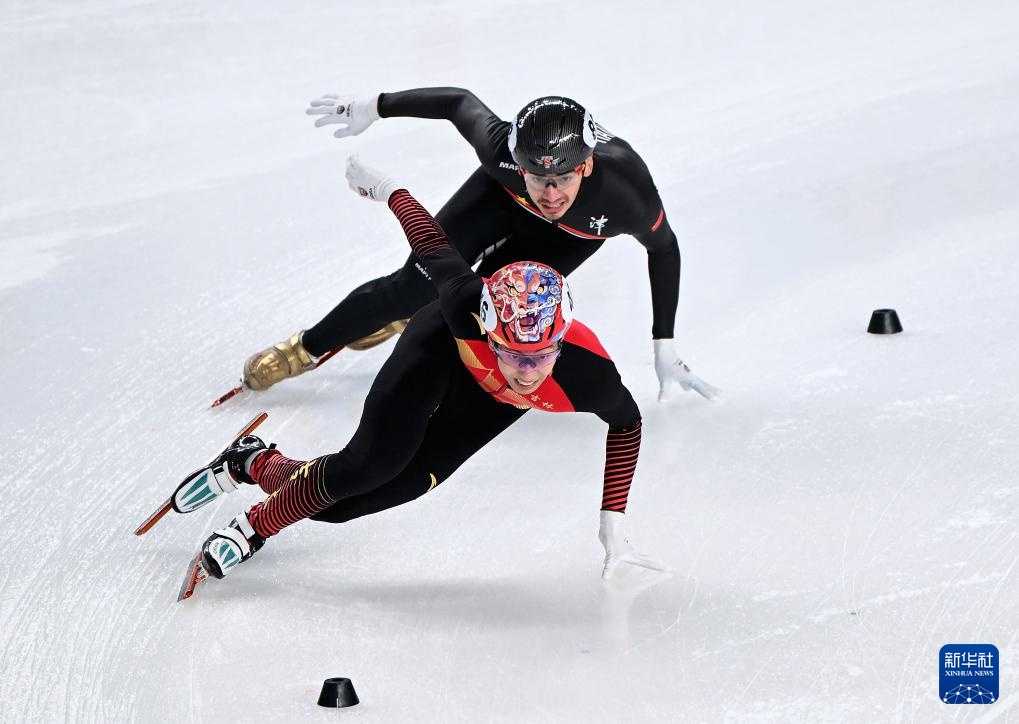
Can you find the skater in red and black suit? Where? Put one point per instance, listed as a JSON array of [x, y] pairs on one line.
[[553, 186], [467, 367]]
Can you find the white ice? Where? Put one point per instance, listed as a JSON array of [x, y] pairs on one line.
[[166, 208]]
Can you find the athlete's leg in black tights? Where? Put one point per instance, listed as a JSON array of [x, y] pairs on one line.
[[466, 420], [423, 417]]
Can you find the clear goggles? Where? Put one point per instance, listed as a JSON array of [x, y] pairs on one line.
[[524, 361], [539, 181]]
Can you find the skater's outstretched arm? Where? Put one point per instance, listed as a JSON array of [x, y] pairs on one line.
[[353, 114], [458, 286], [622, 447]]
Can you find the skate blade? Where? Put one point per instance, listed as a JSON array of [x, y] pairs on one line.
[[223, 398], [156, 516], [196, 574], [327, 356], [166, 507]]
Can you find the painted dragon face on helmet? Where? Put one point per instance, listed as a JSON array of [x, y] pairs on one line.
[[526, 306]]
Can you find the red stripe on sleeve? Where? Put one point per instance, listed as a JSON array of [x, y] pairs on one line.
[[422, 230], [622, 446], [661, 217]]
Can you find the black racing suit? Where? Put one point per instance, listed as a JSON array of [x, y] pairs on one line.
[[440, 398], [491, 219]]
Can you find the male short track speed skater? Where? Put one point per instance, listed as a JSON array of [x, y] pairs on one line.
[[552, 187], [487, 351]]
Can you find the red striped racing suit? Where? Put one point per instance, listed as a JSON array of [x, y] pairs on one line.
[[440, 398]]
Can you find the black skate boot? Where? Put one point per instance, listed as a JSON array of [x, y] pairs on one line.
[[219, 477], [231, 545]]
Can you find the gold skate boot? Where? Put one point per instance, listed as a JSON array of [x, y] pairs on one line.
[[376, 338], [284, 359]]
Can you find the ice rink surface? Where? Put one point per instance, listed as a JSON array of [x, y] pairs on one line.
[[166, 209]]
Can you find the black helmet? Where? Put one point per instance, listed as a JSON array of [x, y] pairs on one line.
[[552, 135]]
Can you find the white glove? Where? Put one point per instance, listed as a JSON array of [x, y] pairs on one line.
[[353, 114], [618, 550], [671, 369], [368, 182]]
